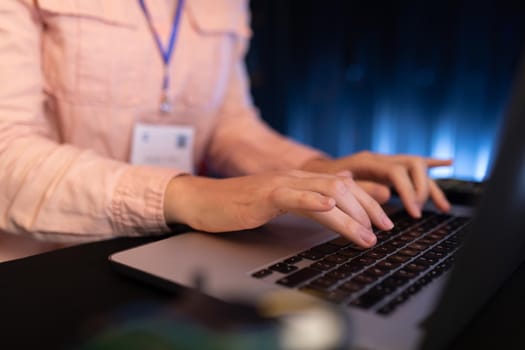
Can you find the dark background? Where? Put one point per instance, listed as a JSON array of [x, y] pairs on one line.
[[422, 77]]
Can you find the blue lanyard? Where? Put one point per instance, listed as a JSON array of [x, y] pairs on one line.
[[166, 53]]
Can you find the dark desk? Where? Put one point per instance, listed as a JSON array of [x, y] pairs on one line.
[[50, 300]]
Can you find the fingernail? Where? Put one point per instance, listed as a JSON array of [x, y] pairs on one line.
[[367, 236], [328, 201], [386, 221], [417, 210]]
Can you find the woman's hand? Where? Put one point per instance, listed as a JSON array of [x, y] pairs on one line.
[[217, 205], [407, 174]]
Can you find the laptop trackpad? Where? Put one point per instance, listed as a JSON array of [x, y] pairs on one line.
[[221, 258]]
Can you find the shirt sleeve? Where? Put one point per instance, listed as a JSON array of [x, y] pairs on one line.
[[53, 190], [242, 142]]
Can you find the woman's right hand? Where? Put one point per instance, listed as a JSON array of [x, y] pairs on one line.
[[238, 203]]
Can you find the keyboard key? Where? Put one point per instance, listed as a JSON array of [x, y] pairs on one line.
[[262, 273], [322, 265], [449, 245], [423, 261], [394, 282], [427, 241], [364, 279], [435, 273], [339, 274], [440, 248], [340, 242], [444, 266], [351, 286], [423, 280], [387, 265], [428, 214], [350, 252], [412, 289], [409, 252], [367, 299], [398, 259], [405, 238], [436, 236], [323, 283], [414, 233], [400, 299], [325, 248], [432, 257], [351, 267], [299, 277], [363, 261], [396, 243], [416, 268], [404, 274], [336, 259], [374, 254], [383, 289], [311, 255], [440, 233], [418, 246], [375, 271], [293, 260], [454, 239], [382, 236], [283, 268], [383, 250]]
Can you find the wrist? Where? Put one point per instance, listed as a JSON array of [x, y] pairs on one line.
[[174, 197]]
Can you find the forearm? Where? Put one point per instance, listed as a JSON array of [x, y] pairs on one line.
[[243, 144], [59, 192]]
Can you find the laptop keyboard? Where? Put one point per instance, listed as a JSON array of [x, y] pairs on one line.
[[404, 260]]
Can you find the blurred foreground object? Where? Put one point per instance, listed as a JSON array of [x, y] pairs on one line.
[[281, 321]]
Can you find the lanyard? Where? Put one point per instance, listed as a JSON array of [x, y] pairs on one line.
[[166, 53]]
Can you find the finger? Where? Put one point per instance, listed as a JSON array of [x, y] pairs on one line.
[[438, 197], [288, 199], [371, 206], [379, 192], [345, 225], [336, 188], [344, 173], [309, 175], [418, 173], [401, 180], [351, 206], [433, 162]]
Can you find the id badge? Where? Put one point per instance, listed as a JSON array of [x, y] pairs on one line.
[[167, 146]]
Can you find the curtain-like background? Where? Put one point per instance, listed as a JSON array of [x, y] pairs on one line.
[[422, 77]]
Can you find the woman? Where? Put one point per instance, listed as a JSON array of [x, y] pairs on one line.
[[107, 109]]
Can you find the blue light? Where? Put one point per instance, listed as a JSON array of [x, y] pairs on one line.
[[383, 133], [443, 146], [482, 163]]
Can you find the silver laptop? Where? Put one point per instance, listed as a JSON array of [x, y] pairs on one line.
[[416, 288]]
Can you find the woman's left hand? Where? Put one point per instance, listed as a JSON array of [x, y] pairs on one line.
[[377, 173]]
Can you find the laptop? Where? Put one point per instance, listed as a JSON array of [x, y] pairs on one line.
[[417, 288]]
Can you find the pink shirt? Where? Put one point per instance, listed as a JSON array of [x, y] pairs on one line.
[[76, 75]]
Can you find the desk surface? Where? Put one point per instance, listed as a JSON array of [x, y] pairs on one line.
[[50, 300]]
